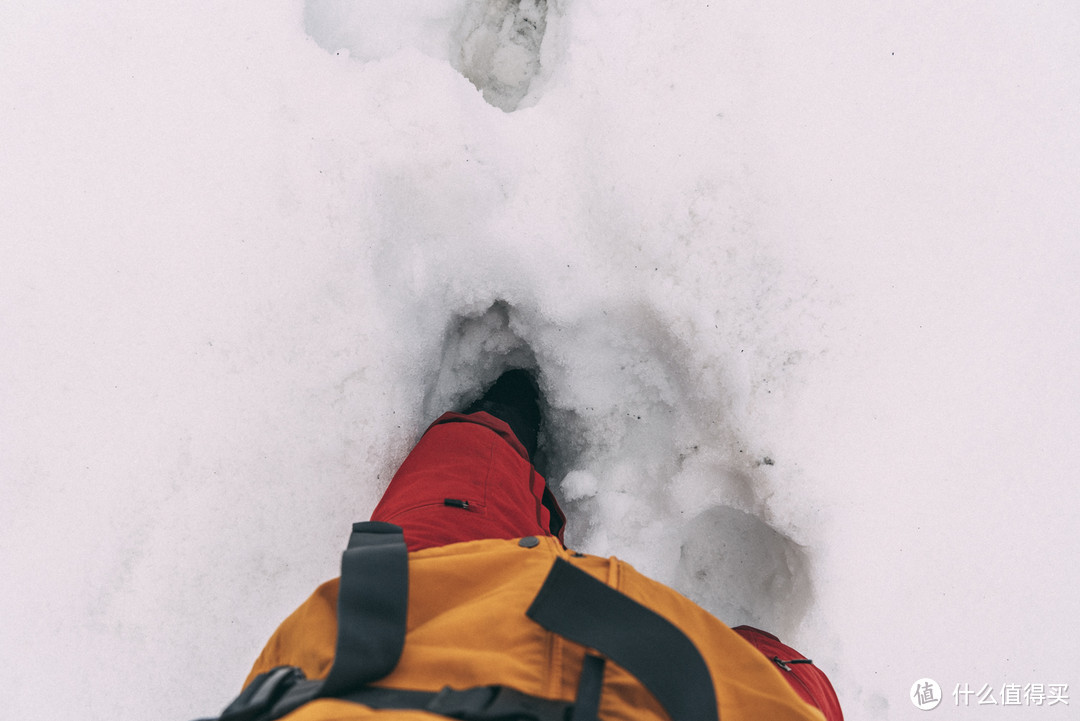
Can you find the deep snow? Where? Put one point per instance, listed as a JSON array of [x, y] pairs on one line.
[[799, 282]]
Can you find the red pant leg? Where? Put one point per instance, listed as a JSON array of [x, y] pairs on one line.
[[468, 478]]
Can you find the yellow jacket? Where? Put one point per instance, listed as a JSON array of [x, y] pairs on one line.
[[467, 627]]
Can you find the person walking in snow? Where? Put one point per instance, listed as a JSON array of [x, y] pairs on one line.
[[459, 599]]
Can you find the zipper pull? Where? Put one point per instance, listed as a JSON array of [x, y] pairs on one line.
[[784, 664]]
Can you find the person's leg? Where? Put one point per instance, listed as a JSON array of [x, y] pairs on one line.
[[470, 478]]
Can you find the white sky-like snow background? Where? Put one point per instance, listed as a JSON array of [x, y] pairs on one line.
[[800, 281]]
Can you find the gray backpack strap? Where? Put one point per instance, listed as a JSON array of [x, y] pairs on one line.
[[373, 602], [577, 606]]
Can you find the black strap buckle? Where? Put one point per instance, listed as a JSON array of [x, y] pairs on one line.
[[262, 693]]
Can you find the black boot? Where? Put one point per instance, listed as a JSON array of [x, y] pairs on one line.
[[514, 399]]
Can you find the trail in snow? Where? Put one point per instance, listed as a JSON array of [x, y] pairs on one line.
[[796, 281]]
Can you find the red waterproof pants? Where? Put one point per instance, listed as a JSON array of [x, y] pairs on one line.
[[468, 478]]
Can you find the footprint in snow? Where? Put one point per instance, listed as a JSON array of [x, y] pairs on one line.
[[500, 48], [493, 43]]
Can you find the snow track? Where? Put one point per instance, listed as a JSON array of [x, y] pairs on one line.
[[500, 48], [798, 281], [635, 453], [496, 44]]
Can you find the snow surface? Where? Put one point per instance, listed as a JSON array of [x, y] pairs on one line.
[[799, 279]]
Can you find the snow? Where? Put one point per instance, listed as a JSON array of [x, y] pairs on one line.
[[798, 281]]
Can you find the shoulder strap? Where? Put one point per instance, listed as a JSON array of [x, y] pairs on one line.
[[373, 603], [373, 600], [573, 604]]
